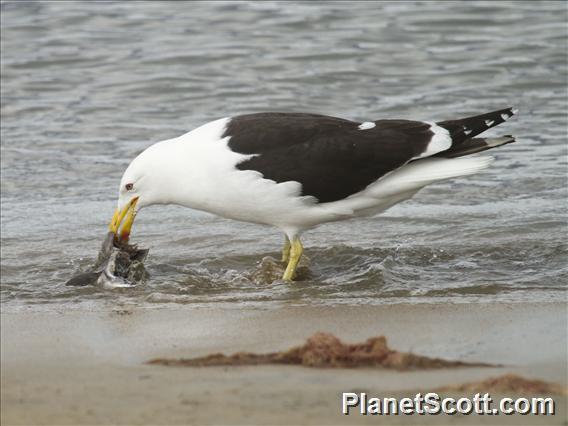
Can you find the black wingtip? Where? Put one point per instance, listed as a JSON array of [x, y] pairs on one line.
[[512, 111], [469, 127], [475, 145]]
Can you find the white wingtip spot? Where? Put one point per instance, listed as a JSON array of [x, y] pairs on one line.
[[467, 132], [504, 117], [489, 123], [366, 125], [514, 111]]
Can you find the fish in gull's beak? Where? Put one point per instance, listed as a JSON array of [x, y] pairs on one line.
[[124, 216]]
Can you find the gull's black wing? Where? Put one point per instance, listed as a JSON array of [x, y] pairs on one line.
[[331, 158]]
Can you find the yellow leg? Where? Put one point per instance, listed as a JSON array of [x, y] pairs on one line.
[[286, 250], [296, 250]]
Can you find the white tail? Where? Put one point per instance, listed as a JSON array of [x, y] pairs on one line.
[[421, 173], [403, 183]]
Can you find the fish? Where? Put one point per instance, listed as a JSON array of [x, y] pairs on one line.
[[118, 264]]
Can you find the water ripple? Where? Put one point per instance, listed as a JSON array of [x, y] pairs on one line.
[[87, 86]]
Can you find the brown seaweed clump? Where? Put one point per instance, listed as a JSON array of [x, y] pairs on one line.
[[509, 384], [324, 350]]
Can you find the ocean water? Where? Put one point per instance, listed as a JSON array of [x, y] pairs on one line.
[[87, 86]]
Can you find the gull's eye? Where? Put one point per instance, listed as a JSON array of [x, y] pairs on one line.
[[129, 186]]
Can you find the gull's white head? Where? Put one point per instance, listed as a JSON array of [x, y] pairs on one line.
[[171, 171], [145, 182]]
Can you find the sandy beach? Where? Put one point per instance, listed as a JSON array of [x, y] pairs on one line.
[[81, 367]]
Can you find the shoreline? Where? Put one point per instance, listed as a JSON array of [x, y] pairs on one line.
[[85, 367]]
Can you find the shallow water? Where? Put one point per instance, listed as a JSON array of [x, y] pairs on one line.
[[85, 87]]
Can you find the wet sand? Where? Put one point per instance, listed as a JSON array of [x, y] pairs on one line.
[[81, 367]]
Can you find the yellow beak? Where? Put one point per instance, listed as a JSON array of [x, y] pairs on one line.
[[128, 212]]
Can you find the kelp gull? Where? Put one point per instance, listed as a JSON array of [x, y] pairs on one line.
[[295, 171]]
